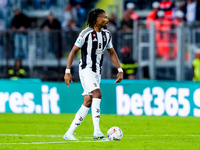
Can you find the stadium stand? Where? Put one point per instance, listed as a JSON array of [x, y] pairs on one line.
[[41, 60]]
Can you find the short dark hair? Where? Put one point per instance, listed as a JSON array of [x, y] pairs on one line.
[[92, 16]]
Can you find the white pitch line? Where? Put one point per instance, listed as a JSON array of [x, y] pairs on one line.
[[32, 143], [164, 135], [37, 135], [58, 142], [83, 136]]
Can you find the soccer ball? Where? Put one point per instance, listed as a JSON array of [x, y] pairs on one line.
[[115, 133]]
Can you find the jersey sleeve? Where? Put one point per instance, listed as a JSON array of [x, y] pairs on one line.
[[79, 41], [109, 45]]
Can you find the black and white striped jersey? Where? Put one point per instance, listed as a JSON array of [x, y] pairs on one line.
[[93, 44]]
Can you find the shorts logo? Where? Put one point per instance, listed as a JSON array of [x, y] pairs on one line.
[[95, 84]]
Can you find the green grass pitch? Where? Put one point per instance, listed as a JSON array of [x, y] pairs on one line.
[[34, 131]]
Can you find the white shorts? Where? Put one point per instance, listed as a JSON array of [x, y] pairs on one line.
[[89, 80]]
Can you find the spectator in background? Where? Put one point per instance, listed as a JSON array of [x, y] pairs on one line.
[[17, 71], [112, 24], [52, 26], [179, 4], [196, 67], [128, 17], [127, 23], [67, 15], [81, 15], [163, 27], [153, 14], [79, 7], [20, 24], [128, 65], [71, 26], [179, 18], [192, 11], [167, 6], [51, 23], [130, 8]]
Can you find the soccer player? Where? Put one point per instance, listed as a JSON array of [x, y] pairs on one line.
[[92, 41]]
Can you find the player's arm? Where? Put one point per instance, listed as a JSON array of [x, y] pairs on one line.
[[115, 61], [68, 76]]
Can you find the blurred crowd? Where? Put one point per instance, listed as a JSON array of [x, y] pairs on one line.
[[166, 15], [72, 18], [74, 13], [174, 13]]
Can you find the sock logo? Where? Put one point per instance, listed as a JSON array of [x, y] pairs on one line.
[[77, 124], [97, 116], [81, 118], [98, 110]]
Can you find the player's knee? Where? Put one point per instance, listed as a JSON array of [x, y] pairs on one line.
[[96, 93], [87, 103]]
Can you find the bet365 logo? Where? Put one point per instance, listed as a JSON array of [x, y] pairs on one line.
[[155, 101], [26, 103]]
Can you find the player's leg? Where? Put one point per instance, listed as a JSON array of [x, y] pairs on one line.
[[80, 115], [91, 85], [96, 100]]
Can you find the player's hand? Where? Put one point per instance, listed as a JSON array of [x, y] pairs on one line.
[[68, 78], [119, 77]]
